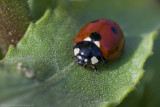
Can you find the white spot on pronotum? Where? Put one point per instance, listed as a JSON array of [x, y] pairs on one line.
[[97, 43], [76, 51], [94, 60], [87, 39]]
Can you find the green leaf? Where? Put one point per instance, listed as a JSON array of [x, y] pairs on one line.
[[45, 54]]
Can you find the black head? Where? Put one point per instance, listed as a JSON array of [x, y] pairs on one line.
[[87, 53]]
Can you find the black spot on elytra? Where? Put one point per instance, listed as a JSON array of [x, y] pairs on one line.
[[95, 36], [114, 30], [94, 21]]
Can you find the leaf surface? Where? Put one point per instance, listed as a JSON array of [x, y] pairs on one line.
[[46, 51]]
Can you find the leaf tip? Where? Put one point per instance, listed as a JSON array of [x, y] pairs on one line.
[[46, 15]]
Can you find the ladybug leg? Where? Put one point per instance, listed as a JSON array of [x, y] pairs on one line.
[[85, 66], [76, 61], [95, 68], [105, 62], [73, 57]]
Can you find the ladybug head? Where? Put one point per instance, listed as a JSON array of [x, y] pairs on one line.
[[87, 53], [82, 60]]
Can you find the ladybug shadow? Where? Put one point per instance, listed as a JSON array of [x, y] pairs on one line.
[[131, 45]]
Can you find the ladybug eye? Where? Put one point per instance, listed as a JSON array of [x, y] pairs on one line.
[[95, 36], [114, 30]]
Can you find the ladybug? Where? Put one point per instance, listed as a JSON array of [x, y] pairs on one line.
[[98, 41]]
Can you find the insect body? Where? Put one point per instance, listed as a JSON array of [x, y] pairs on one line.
[[98, 41]]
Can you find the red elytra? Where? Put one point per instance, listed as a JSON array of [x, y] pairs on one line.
[[112, 39]]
